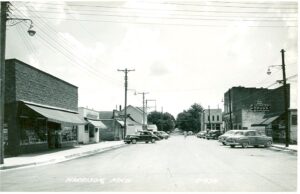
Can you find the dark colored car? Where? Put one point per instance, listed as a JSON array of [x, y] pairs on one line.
[[213, 134], [201, 134], [247, 138], [145, 136]]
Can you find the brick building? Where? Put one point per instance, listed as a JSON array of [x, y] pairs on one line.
[[40, 109], [246, 108]]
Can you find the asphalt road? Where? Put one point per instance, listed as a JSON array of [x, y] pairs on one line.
[[177, 164]]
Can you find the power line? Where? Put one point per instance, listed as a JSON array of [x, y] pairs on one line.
[[169, 24], [231, 6], [180, 10], [66, 51], [174, 18], [177, 14]]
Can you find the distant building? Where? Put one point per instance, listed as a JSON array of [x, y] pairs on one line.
[[114, 124], [40, 110], [212, 119], [263, 108], [90, 132]]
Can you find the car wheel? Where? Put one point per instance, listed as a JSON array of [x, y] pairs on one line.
[[152, 140], [133, 141], [232, 146], [256, 146], [245, 144], [223, 143], [268, 144], [146, 141]]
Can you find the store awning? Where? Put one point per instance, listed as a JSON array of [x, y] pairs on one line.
[[97, 124], [269, 120], [58, 116], [121, 123]]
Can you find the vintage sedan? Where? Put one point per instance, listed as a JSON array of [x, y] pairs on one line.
[[247, 138], [201, 134], [223, 137], [144, 136], [213, 134]]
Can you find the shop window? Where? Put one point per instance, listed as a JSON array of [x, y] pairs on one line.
[[68, 133], [294, 119], [33, 131]]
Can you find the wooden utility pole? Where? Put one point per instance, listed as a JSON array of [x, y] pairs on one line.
[[144, 93], [125, 108], [286, 102], [2, 74]]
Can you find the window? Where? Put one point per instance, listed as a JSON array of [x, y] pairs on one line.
[[217, 117], [294, 119], [208, 117], [213, 117]]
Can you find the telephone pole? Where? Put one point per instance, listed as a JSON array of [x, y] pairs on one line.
[[126, 86], [4, 6], [144, 93], [286, 102]]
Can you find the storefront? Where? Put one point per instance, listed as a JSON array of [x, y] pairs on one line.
[[40, 110], [40, 127], [90, 132]]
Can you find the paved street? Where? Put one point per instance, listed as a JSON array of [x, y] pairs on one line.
[[176, 164]]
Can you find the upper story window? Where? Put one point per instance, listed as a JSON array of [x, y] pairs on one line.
[[218, 118], [213, 117], [294, 119]]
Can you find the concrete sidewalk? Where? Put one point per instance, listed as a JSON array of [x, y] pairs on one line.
[[293, 148], [44, 158]]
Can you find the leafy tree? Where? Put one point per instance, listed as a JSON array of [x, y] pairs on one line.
[[163, 121], [190, 120]]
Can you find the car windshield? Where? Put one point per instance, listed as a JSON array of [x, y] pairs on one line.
[[239, 133], [230, 132]]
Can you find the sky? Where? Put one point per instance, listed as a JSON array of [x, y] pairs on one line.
[[182, 52]]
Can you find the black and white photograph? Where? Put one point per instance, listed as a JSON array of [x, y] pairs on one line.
[[149, 96]]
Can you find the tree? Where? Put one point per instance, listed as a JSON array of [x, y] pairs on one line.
[[190, 120], [163, 121]]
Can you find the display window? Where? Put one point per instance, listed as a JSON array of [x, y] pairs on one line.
[[33, 131]]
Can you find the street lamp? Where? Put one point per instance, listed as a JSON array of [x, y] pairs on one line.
[[31, 32], [286, 104]]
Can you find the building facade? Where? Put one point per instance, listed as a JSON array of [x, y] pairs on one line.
[[263, 108], [90, 132], [40, 110], [114, 126], [212, 119]]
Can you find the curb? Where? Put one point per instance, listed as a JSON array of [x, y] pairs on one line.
[[61, 159], [283, 148]]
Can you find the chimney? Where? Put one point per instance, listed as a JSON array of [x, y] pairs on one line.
[[120, 107]]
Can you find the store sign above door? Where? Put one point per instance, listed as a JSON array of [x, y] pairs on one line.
[[260, 107]]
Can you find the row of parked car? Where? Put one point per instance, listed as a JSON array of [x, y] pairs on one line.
[[242, 138], [146, 136]]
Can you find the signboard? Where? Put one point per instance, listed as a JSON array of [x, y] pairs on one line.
[[260, 107]]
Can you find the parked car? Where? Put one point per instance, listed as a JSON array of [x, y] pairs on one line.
[[158, 134], [164, 134], [213, 134], [201, 134], [222, 138], [247, 138], [190, 133], [146, 136]]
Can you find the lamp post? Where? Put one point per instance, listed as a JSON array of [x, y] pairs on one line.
[[286, 102], [31, 32]]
